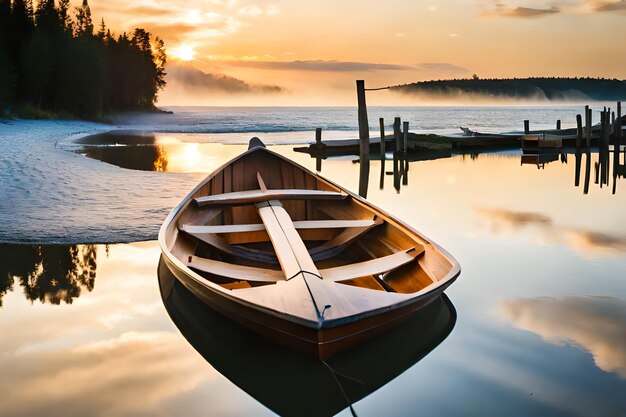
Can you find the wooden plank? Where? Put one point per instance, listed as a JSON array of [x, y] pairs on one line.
[[299, 182], [303, 224], [238, 213], [297, 245], [222, 245], [365, 282], [343, 239], [240, 272], [372, 267], [228, 187], [257, 196], [286, 257], [261, 182], [217, 183], [237, 285]]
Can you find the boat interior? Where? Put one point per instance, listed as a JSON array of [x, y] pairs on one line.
[[262, 219]]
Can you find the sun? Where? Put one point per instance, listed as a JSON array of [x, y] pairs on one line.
[[183, 52]]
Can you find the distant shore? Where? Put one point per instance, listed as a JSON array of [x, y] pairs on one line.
[[33, 113]]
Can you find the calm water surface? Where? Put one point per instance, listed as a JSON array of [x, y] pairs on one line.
[[535, 324]]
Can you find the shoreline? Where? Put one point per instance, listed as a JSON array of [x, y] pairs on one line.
[[62, 197]]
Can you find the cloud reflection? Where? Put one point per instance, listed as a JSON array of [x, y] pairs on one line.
[[112, 352], [597, 324], [586, 242]]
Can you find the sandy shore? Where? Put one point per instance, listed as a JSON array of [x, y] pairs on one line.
[[52, 195]]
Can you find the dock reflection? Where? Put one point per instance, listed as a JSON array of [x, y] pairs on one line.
[[608, 164], [288, 383]]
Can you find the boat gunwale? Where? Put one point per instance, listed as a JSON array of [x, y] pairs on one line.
[[432, 290]]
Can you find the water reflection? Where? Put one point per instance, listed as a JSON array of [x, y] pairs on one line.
[[587, 242], [288, 383], [600, 159], [48, 273], [596, 324], [130, 150], [188, 153]]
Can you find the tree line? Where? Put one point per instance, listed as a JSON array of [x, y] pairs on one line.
[[553, 88], [52, 58]]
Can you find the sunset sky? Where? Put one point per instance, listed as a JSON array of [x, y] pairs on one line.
[[286, 52]]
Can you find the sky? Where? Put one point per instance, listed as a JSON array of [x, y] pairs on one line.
[[285, 52]]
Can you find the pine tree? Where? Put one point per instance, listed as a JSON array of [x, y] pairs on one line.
[[84, 25], [64, 15], [103, 29]]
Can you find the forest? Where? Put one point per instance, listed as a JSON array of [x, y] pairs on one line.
[[54, 62], [543, 88]]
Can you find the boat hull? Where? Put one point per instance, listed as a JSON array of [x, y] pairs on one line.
[[319, 343]]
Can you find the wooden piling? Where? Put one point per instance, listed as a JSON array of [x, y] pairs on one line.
[[383, 151], [405, 146], [618, 124], [396, 153], [319, 145], [526, 127], [558, 125], [364, 139], [588, 122], [383, 145], [579, 130]]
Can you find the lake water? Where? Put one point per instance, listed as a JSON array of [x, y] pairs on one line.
[[535, 324]]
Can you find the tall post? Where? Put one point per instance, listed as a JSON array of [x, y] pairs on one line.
[[618, 125], [396, 153], [405, 145], [579, 130], [526, 127], [588, 122], [383, 145], [558, 125], [364, 139], [319, 145], [383, 151]]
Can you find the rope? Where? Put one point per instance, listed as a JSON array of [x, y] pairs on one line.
[[304, 272], [376, 89], [343, 392]]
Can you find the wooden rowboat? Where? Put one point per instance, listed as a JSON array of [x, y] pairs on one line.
[[298, 259], [281, 379]]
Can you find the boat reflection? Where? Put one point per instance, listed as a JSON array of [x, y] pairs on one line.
[[48, 273], [288, 383]]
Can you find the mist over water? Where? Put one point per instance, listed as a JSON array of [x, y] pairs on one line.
[[298, 123]]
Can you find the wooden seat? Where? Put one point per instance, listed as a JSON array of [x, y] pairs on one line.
[[340, 273], [234, 271], [372, 267], [304, 224], [257, 196], [222, 245], [337, 244]]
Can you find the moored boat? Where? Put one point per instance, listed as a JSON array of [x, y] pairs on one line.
[[283, 380], [298, 259]]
